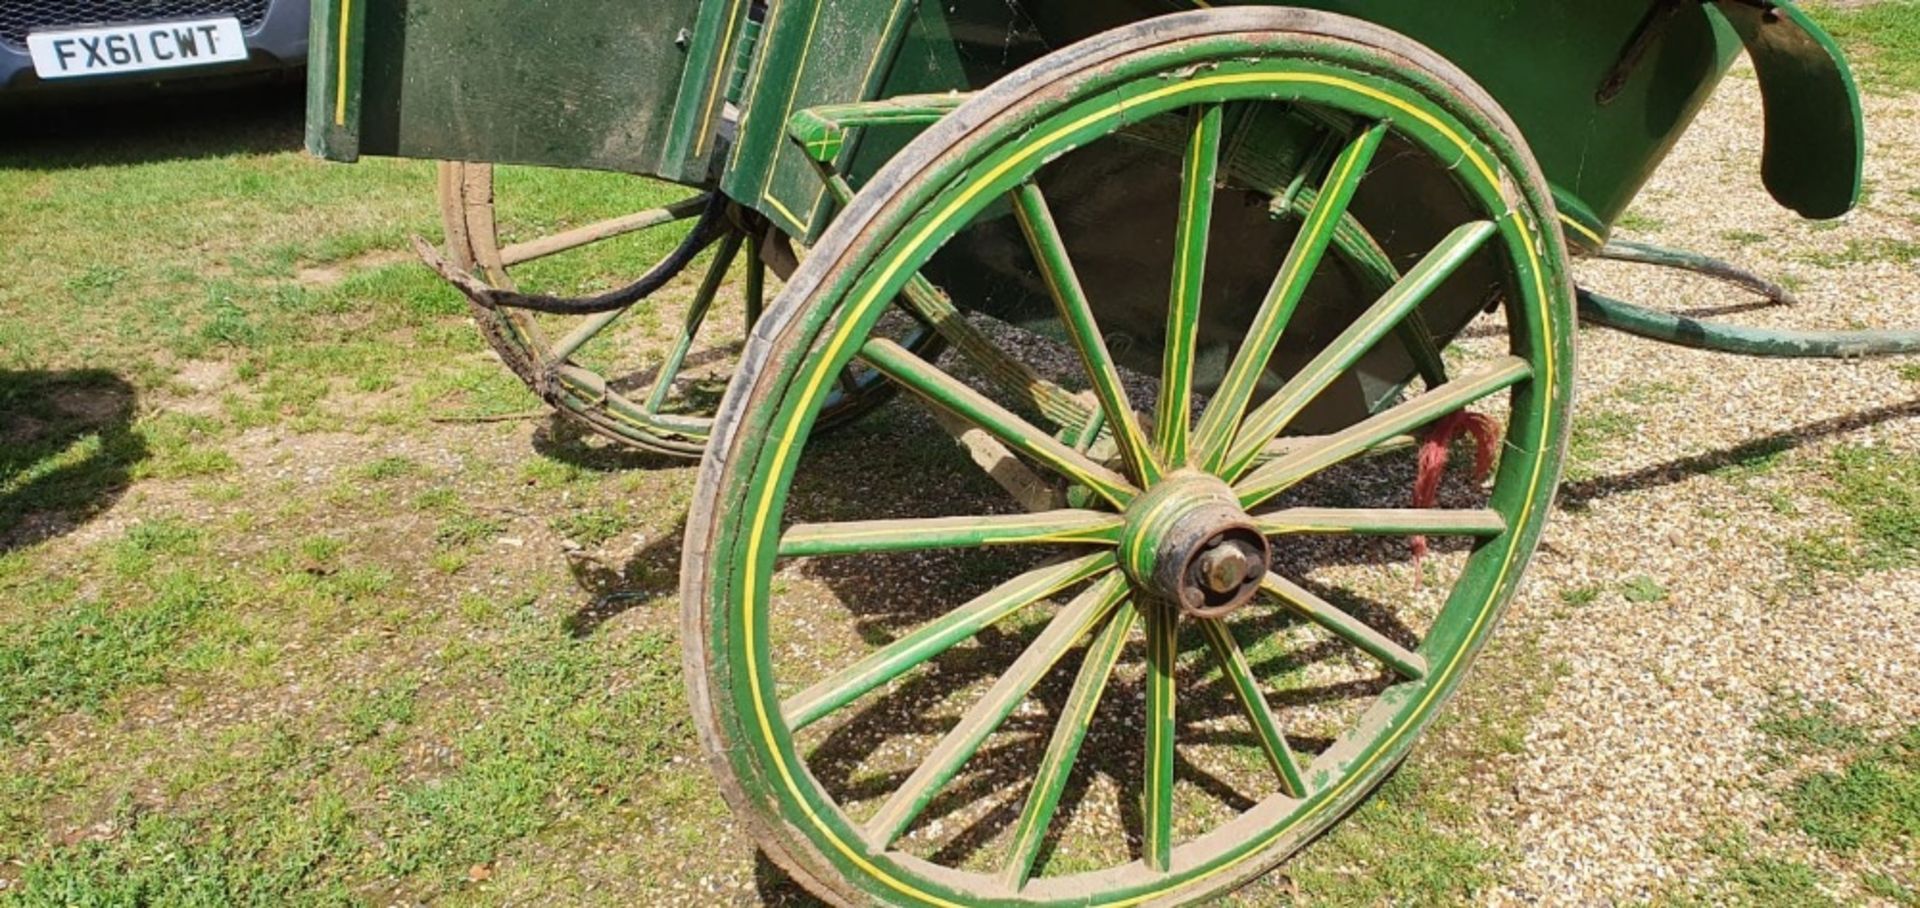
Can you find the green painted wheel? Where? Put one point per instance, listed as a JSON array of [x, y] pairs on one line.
[[1196, 660], [653, 386]]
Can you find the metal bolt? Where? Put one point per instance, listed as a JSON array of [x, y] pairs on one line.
[[1224, 567]]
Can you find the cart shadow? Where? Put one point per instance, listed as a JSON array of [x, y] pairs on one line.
[[147, 125], [777, 887], [632, 579], [561, 438], [67, 449], [1578, 495]]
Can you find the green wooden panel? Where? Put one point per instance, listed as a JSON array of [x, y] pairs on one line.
[[810, 52], [333, 79], [576, 83]]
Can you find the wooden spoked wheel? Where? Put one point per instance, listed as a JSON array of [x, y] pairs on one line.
[[1195, 661], [653, 386]]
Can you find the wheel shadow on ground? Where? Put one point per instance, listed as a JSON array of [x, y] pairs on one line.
[[1577, 495], [144, 125], [632, 579], [67, 449], [565, 440], [777, 887]]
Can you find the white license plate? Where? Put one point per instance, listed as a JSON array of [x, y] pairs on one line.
[[133, 48]]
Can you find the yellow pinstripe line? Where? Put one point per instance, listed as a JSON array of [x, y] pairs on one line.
[[1081, 534], [1583, 230], [793, 95], [1322, 213], [775, 202], [837, 343], [721, 71], [1184, 406], [340, 74]]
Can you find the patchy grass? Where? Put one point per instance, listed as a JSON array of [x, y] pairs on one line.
[[1883, 40], [1860, 252], [1849, 802], [1594, 434], [1581, 595], [1640, 222], [1872, 803], [1879, 492], [1420, 840], [79, 657], [1745, 877], [1642, 590]]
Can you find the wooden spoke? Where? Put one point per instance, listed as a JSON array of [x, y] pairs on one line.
[[1346, 627], [1229, 403], [602, 230], [1156, 809], [1173, 417], [1070, 298], [904, 654], [1072, 623], [1270, 418], [1481, 522], [949, 393], [1032, 490], [861, 537], [756, 289], [1233, 664], [1282, 473], [1064, 747], [587, 330], [696, 316], [931, 306]]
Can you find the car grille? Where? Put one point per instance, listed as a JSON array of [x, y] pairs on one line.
[[17, 17]]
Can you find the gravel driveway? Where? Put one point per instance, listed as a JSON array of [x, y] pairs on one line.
[[1678, 592]]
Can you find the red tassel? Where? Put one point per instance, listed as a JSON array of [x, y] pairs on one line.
[[1435, 446]]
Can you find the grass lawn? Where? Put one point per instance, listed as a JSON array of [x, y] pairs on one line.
[[285, 615]]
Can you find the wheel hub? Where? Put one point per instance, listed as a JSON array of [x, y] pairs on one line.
[[1189, 545]]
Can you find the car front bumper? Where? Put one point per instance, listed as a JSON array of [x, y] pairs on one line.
[[278, 43]]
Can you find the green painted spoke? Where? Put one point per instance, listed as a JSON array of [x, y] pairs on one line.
[[950, 394], [1233, 664], [1173, 417], [578, 337], [1064, 747], [1156, 809], [756, 289], [860, 537], [696, 316], [1309, 248], [1272, 417], [1346, 627], [904, 654], [1284, 472], [1067, 628], [1070, 298], [1481, 522], [931, 307]]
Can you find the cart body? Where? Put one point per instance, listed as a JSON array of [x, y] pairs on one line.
[[700, 91]]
